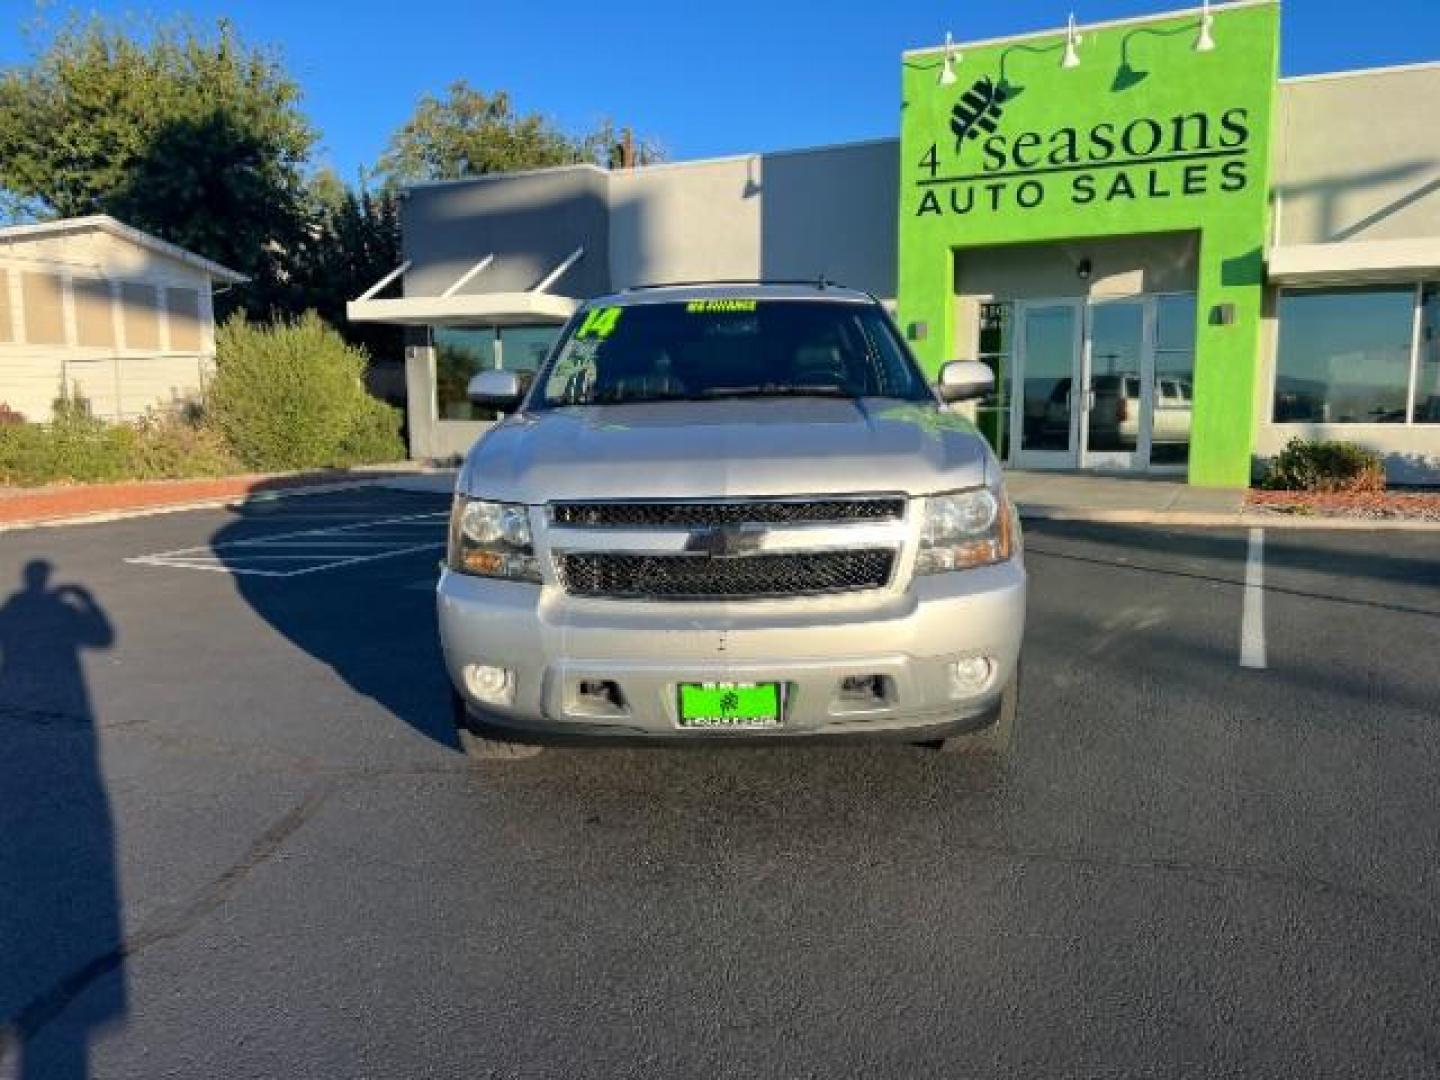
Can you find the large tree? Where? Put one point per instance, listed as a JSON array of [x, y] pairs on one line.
[[468, 132], [353, 241], [197, 137]]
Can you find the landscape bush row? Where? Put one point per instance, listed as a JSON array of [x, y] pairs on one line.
[[285, 396]]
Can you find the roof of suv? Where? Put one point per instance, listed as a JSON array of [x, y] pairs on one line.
[[759, 290]]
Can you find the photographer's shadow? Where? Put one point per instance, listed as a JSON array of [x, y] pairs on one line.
[[61, 945]]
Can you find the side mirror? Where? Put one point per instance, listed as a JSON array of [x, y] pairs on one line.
[[499, 390], [964, 380]]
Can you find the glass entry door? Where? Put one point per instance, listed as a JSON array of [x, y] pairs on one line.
[[1104, 384], [1117, 397], [1044, 423]]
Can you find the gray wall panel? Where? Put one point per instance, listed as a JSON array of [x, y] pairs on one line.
[[1358, 157], [531, 221], [794, 214], [692, 222], [832, 211]]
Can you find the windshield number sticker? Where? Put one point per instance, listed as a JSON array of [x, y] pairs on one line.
[[599, 322], [713, 307]]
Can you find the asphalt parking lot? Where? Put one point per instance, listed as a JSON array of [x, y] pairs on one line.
[[237, 840]]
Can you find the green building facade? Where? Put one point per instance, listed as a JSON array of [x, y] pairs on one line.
[[1125, 130]]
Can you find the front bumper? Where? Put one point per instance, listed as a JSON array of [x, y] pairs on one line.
[[903, 642]]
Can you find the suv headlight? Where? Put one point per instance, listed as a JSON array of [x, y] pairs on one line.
[[964, 529], [492, 539]]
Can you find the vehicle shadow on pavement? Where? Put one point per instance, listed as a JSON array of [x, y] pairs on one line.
[[61, 946], [369, 623]]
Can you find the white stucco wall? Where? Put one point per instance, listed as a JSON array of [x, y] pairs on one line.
[[119, 379], [1357, 156]]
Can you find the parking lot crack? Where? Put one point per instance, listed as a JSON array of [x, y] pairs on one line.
[[174, 922]]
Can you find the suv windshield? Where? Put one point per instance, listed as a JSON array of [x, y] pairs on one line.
[[725, 348]]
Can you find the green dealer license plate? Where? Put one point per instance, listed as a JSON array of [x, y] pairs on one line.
[[733, 705]]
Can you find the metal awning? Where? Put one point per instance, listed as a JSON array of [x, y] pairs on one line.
[[483, 309], [1354, 262], [536, 305]]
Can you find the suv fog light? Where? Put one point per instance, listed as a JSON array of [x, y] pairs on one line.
[[970, 675], [492, 685]]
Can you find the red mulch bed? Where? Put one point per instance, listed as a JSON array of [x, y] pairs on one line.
[[77, 500], [1411, 505]]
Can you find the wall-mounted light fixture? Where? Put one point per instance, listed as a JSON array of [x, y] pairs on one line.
[[1206, 41], [1071, 59], [947, 70], [1084, 268]]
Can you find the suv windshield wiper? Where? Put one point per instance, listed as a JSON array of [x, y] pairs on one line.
[[778, 390]]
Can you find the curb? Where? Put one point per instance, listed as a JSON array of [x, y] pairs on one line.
[[101, 517], [1199, 519]]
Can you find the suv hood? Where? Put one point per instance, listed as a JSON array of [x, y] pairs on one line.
[[750, 447]]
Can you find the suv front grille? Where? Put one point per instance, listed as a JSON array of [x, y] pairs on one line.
[[699, 577], [622, 515]]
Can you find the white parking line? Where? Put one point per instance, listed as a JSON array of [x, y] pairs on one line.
[[1252, 619], [306, 551]]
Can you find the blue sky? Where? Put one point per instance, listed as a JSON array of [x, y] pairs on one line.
[[743, 76]]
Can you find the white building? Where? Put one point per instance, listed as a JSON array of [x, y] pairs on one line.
[[122, 317]]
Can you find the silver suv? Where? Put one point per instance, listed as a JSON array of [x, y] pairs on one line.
[[729, 511]]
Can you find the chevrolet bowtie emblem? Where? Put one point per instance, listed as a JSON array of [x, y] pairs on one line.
[[725, 541]]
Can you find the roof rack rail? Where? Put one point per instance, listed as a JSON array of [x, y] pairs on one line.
[[820, 282]]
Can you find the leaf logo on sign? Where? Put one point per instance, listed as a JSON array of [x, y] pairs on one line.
[[978, 110]]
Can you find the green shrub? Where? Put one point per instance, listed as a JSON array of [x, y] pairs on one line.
[[76, 447], [171, 445], [25, 454], [1324, 465], [292, 396], [375, 436]]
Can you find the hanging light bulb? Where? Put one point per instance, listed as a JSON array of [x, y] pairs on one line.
[[947, 70], [1071, 59], [1206, 41]]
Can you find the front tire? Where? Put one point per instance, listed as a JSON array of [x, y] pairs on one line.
[[480, 747]]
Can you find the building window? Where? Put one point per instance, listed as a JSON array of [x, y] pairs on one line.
[[1427, 373], [44, 308], [6, 318], [459, 356], [994, 351], [6, 324], [524, 348], [94, 321], [183, 308], [1345, 356], [141, 308], [461, 353], [1174, 392]]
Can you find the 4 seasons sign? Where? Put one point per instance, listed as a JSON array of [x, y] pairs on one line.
[[1127, 131], [1184, 155]]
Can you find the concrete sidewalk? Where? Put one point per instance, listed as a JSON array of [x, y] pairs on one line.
[[1149, 500], [1093, 497]]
